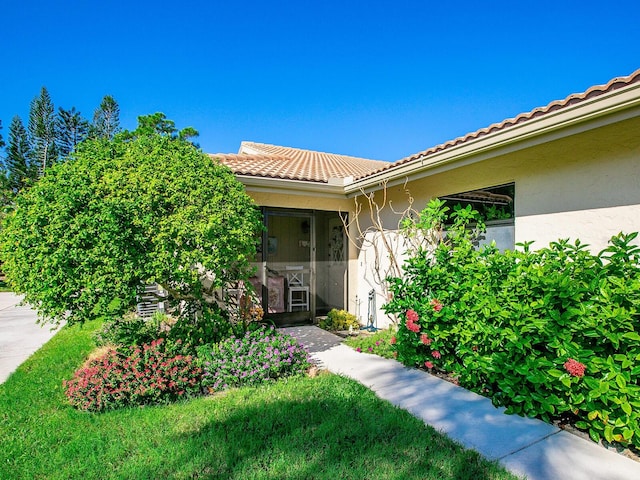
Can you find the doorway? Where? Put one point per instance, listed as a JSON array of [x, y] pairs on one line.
[[301, 265]]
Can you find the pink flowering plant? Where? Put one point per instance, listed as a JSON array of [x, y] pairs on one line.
[[552, 333], [260, 356], [148, 375]]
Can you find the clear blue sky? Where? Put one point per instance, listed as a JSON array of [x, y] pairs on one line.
[[376, 79]]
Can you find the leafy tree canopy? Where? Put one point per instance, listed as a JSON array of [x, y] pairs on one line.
[[142, 207]]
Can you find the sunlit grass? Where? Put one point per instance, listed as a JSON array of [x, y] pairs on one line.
[[302, 428]]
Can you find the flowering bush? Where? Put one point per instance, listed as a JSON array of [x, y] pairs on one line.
[[575, 368], [259, 356], [553, 333], [148, 375]]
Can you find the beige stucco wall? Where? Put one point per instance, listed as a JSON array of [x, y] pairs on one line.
[[585, 186]]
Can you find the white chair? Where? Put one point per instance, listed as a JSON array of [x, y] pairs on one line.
[[298, 291]]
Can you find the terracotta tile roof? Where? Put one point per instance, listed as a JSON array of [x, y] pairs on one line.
[[264, 160], [595, 91], [272, 161]]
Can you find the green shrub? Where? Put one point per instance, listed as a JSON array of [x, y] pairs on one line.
[[149, 375], [549, 333], [191, 330], [130, 329], [259, 356], [339, 320]]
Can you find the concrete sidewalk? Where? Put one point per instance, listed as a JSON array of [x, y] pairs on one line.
[[20, 335], [524, 446]]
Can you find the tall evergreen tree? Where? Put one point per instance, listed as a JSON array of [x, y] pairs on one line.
[[72, 129], [18, 156], [42, 131], [4, 178], [106, 119]]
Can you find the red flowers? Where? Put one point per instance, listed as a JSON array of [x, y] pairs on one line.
[[575, 368], [393, 340], [412, 318], [428, 364], [436, 354], [435, 303], [424, 338]]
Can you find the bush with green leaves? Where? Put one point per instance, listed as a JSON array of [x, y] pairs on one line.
[[553, 333], [149, 374], [132, 329], [260, 356], [338, 320], [144, 207], [191, 331]]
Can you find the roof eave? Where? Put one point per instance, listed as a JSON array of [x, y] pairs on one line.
[[605, 109], [291, 187]]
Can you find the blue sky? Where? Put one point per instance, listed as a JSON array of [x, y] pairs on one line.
[[376, 79]]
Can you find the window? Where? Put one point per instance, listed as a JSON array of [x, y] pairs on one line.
[[493, 203]]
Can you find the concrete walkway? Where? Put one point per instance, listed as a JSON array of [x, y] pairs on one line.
[[524, 446], [20, 335]]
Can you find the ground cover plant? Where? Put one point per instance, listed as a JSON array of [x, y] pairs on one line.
[[260, 356], [552, 333], [378, 343], [302, 428]]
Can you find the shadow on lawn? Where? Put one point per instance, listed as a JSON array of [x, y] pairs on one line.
[[285, 438]]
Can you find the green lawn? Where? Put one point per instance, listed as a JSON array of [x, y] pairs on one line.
[[306, 428]]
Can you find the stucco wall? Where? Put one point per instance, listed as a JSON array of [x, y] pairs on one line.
[[585, 186]]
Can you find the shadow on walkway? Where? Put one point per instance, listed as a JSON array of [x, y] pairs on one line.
[[314, 338]]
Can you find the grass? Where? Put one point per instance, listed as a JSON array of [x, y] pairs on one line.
[[378, 343], [304, 428]]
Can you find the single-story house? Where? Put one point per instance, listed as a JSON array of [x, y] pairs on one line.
[[570, 169]]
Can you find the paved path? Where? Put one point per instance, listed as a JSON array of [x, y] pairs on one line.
[[20, 335], [524, 446]]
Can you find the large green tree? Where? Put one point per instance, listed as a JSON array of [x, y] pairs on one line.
[[106, 119], [143, 207], [72, 128], [18, 156], [5, 190], [42, 131]]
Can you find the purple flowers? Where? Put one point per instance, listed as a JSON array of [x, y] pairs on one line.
[[260, 356]]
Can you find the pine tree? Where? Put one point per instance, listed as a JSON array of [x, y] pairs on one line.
[[72, 129], [42, 131], [5, 191], [106, 119], [18, 156]]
